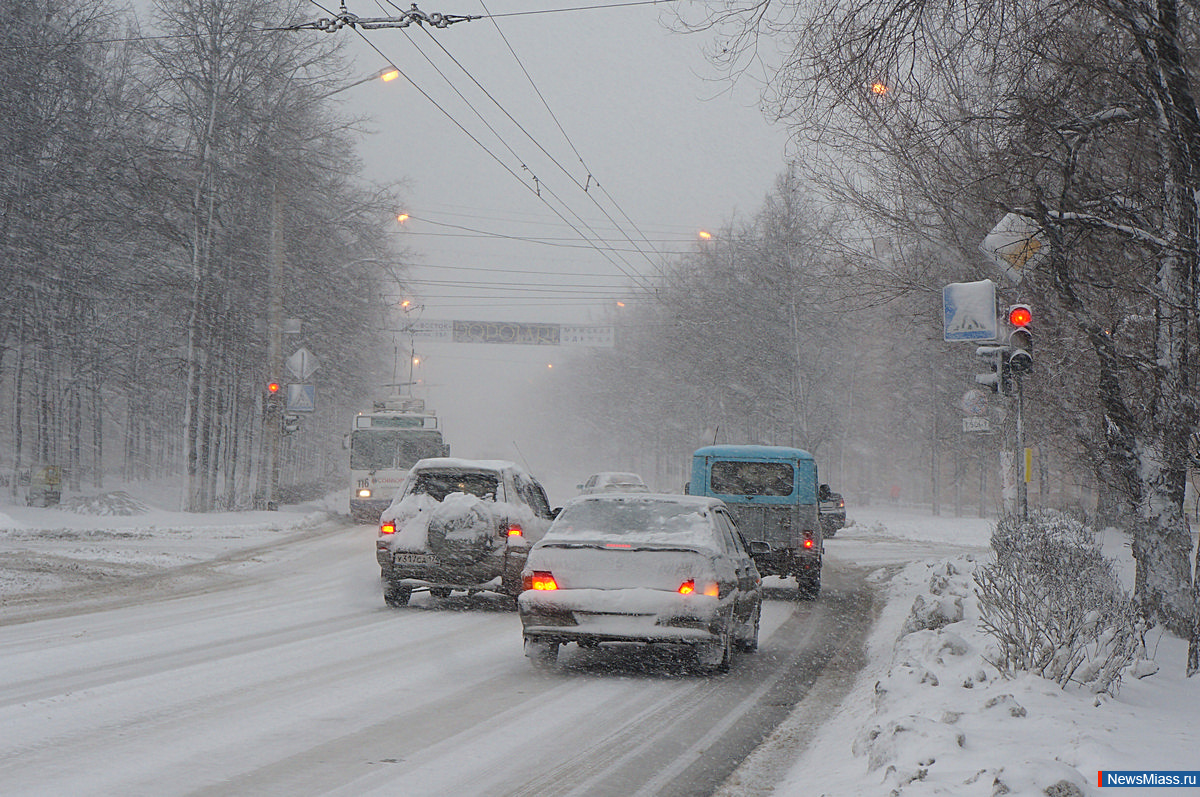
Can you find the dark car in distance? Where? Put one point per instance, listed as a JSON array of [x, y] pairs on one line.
[[832, 510]]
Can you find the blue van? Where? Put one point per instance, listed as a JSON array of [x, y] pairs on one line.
[[771, 491]]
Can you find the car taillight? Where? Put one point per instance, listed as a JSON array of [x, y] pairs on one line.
[[387, 527], [842, 504], [514, 530], [808, 539], [540, 580], [710, 588]]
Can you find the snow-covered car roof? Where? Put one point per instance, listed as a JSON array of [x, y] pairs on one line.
[[614, 481], [455, 463]]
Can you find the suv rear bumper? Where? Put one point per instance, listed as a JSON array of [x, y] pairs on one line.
[[503, 568]]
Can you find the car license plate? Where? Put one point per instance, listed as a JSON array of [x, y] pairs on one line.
[[413, 559]]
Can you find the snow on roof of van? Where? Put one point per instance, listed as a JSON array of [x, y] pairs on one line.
[[753, 451]]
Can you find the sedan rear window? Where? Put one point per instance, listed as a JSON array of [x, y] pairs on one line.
[[651, 522], [438, 485]]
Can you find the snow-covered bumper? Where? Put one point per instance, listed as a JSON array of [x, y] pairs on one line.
[[621, 615], [499, 569], [788, 560]]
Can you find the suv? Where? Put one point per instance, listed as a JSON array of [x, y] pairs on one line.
[[460, 524], [832, 509]]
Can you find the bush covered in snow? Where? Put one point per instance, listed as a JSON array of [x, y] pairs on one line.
[[1054, 605]]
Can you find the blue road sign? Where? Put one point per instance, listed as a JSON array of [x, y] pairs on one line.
[[302, 398], [969, 311]]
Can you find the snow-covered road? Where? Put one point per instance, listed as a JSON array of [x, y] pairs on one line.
[[279, 670]]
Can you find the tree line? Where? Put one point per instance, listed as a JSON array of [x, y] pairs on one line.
[[148, 185]]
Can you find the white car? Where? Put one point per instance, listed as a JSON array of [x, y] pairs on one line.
[[613, 482], [460, 524], [669, 569]]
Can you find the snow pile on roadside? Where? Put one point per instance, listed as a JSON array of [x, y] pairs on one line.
[[115, 536], [119, 503], [930, 716]]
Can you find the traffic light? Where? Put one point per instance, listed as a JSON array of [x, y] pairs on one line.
[[289, 423], [996, 357], [274, 397], [1020, 340]]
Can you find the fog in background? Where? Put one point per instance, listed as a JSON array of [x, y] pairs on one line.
[[672, 148]]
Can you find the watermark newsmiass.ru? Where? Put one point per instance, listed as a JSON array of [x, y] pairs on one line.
[[1149, 778]]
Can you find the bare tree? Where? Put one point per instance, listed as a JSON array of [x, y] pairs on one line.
[[1081, 115]]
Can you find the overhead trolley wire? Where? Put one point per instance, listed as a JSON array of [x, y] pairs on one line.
[[535, 190], [636, 276], [288, 29], [571, 144]]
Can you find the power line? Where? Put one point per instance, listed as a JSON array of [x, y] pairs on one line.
[[583, 187], [635, 275], [536, 191], [284, 29], [504, 270], [574, 149], [490, 234], [576, 8]]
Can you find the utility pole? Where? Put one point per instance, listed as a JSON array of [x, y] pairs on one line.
[[273, 407], [1022, 472]]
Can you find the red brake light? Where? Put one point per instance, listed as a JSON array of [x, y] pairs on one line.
[[808, 542], [387, 527], [687, 587], [514, 530], [541, 580]]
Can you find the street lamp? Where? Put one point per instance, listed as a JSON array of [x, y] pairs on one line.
[[387, 75]]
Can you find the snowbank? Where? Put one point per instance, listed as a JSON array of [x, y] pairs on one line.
[[929, 715]]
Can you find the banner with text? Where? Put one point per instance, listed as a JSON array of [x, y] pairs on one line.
[[514, 332]]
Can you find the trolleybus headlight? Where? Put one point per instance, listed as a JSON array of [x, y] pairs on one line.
[[364, 493]]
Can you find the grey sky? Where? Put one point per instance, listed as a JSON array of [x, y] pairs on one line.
[[674, 148]]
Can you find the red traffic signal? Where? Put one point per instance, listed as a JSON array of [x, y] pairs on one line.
[[272, 388], [1019, 315]]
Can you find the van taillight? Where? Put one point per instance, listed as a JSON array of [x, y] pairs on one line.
[[808, 539], [387, 527]]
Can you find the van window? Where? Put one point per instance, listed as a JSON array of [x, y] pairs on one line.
[[752, 478]]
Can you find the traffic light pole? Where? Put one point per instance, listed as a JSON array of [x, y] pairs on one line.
[[273, 411], [1022, 486]]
